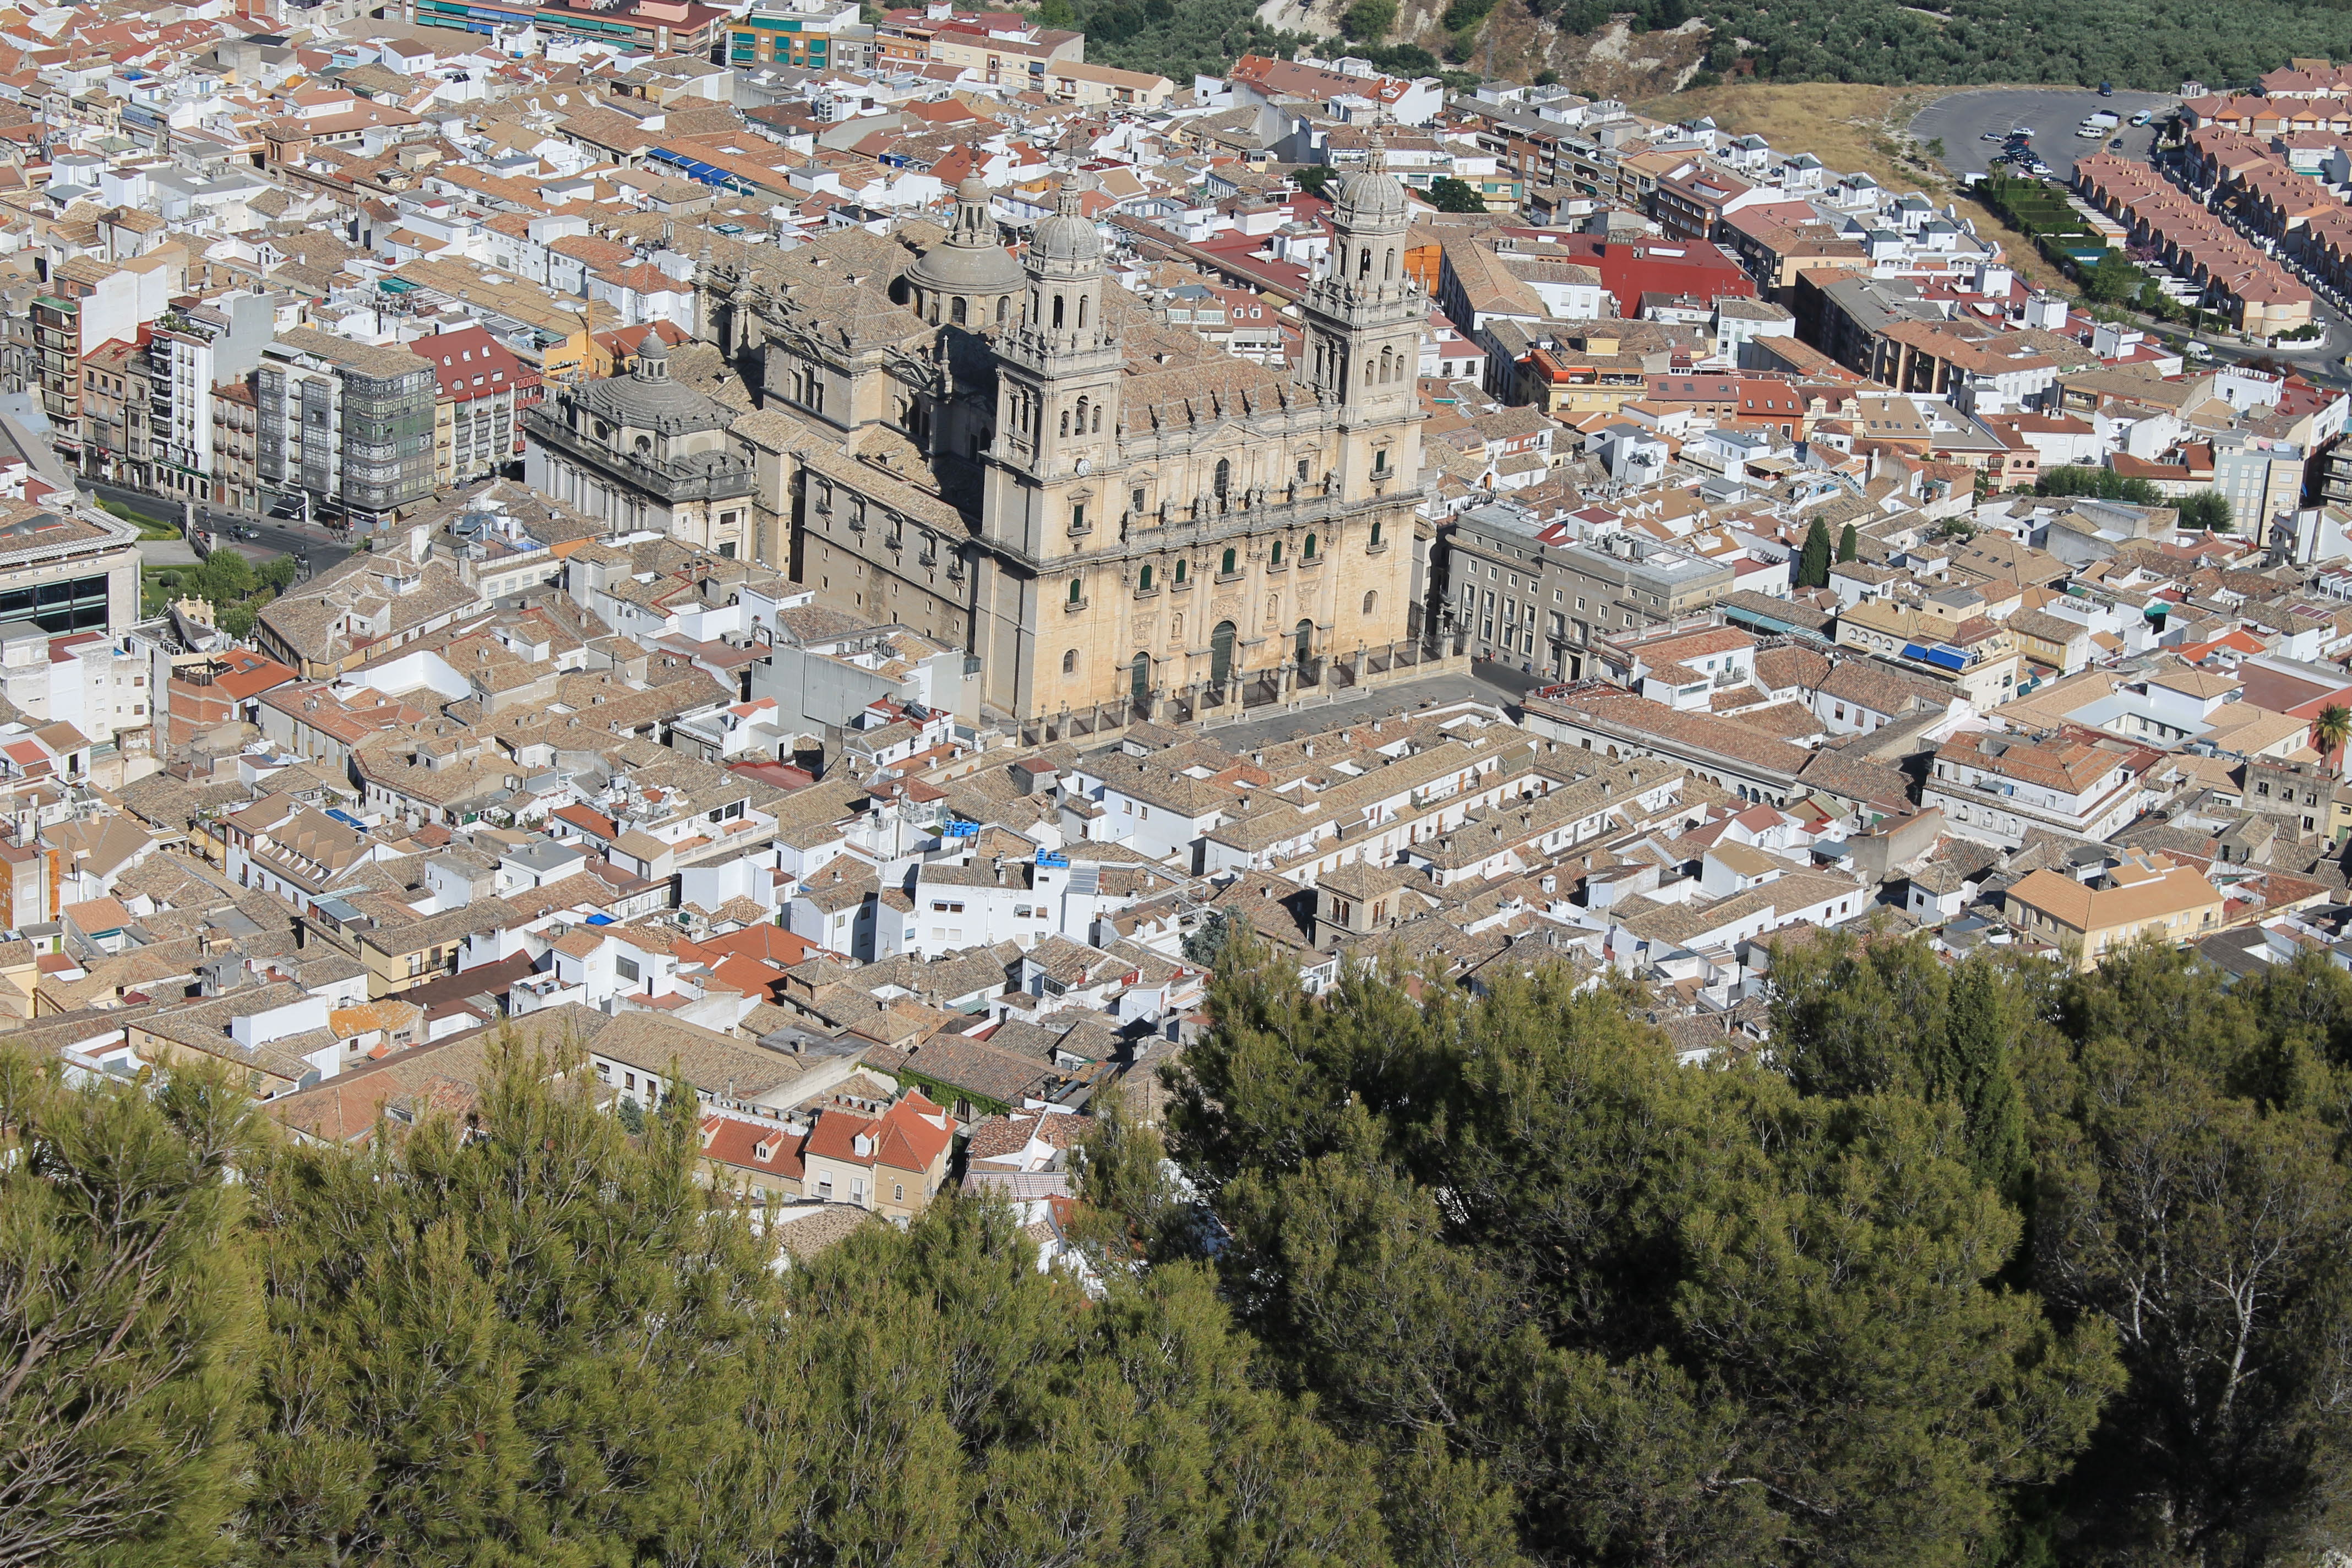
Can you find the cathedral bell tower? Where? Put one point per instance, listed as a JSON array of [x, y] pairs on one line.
[[1049, 509], [1364, 317], [1058, 397]]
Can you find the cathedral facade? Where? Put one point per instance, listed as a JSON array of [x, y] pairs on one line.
[[1016, 457]]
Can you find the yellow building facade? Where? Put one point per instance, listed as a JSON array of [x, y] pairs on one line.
[[1102, 509]]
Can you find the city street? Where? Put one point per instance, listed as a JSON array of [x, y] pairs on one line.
[[273, 536]]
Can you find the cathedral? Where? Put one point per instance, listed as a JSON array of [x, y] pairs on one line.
[[1016, 457]]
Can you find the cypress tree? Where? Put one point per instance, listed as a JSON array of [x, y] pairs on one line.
[[1814, 562], [1849, 545]]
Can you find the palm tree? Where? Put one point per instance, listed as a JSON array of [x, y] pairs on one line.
[[2330, 731]]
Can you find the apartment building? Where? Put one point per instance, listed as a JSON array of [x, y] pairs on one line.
[[349, 424]]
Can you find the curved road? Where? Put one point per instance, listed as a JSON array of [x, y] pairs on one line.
[[319, 545]]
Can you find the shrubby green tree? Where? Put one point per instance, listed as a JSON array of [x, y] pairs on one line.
[[2113, 279], [2100, 484], [1449, 194], [2207, 508]]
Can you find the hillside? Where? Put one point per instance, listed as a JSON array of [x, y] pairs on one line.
[[1639, 53]]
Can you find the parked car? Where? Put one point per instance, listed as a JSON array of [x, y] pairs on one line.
[[2117, 145], [1990, 136], [2143, 117], [2107, 89]]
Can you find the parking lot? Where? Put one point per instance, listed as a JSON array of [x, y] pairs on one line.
[[1961, 118]]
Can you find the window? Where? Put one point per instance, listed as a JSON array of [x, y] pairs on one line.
[[1143, 579], [626, 968], [1077, 517], [956, 312], [1078, 591], [1307, 550], [898, 1192], [1376, 533], [1135, 498], [1302, 470], [1273, 554], [1371, 601], [1225, 478], [1182, 567], [1070, 662], [953, 907], [1225, 562], [1380, 461]]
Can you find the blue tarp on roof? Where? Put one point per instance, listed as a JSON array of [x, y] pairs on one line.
[[1947, 658], [695, 169], [600, 920], [347, 819]]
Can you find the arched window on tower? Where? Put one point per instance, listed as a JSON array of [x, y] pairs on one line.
[[1070, 662], [1065, 421], [1098, 424], [1389, 273], [1004, 310], [1082, 415], [1082, 311], [1371, 603], [1057, 312], [1307, 550], [956, 312], [1364, 262], [1225, 477]]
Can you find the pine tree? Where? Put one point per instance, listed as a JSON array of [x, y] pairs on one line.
[[1814, 562], [518, 1342], [127, 1317], [1510, 1228], [1849, 544]]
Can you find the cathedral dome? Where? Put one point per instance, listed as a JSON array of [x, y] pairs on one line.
[[956, 266], [1068, 237], [969, 260], [647, 399]]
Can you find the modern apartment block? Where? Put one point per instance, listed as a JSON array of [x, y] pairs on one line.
[[349, 424]]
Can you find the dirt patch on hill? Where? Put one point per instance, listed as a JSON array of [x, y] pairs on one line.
[[1615, 62], [1846, 125]]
